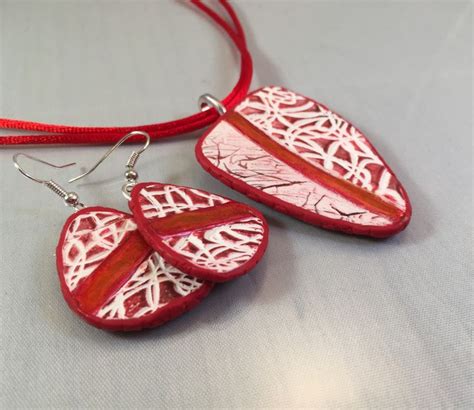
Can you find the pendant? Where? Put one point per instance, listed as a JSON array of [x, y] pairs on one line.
[[113, 279], [202, 234], [299, 157]]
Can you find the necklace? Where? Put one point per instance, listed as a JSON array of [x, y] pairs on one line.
[[274, 145]]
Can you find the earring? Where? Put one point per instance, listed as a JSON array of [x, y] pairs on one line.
[[109, 274], [203, 234]]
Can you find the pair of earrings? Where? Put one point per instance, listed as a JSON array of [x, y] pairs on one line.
[[123, 271]]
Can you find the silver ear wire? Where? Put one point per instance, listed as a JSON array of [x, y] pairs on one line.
[[207, 101], [70, 198], [130, 174]]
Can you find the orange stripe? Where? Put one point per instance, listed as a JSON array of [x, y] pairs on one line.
[[341, 186], [200, 218], [112, 273]]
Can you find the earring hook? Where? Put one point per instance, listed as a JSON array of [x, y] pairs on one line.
[[70, 198], [131, 175], [132, 160], [28, 175]]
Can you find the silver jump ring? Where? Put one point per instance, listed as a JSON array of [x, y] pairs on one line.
[[209, 101], [127, 190]]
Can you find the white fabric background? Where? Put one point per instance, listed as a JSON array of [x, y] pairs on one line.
[[326, 320]]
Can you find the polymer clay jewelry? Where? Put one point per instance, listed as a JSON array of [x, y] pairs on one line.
[[299, 157], [109, 275], [203, 234]]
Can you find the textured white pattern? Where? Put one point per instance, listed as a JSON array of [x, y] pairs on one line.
[[321, 137], [222, 247], [164, 200], [230, 151], [91, 237], [147, 280]]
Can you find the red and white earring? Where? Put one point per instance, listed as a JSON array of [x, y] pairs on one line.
[[109, 275], [201, 233]]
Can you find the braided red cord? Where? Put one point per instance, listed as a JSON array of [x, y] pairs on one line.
[[65, 134]]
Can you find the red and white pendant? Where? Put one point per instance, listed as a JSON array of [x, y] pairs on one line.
[[299, 157], [202, 234], [112, 278]]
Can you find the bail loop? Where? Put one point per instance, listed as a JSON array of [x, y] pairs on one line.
[[208, 101]]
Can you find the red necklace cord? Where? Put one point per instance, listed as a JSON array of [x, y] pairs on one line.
[[65, 134]]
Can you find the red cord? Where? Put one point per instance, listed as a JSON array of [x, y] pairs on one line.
[[65, 134]]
